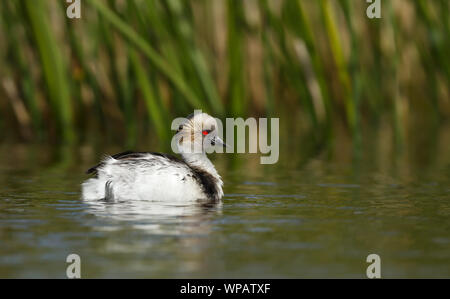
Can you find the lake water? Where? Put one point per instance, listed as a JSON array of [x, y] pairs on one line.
[[309, 215]]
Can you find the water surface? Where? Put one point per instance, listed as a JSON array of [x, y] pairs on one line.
[[315, 215]]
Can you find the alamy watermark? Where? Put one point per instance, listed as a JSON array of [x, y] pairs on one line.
[[374, 269], [73, 11], [373, 11], [258, 137], [74, 268]]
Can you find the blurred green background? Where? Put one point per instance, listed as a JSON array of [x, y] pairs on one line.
[[127, 68], [363, 106]]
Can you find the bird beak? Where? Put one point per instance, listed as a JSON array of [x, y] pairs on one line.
[[219, 141]]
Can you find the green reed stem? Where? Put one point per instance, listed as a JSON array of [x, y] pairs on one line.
[[339, 59], [142, 45], [53, 66]]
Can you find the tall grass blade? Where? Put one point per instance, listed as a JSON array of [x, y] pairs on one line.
[[154, 57], [53, 66]]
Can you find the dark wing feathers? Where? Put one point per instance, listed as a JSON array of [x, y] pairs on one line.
[[131, 155]]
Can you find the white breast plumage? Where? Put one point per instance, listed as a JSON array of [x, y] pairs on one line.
[[150, 176]]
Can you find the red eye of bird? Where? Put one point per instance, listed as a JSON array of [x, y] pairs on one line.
[[205, 132]]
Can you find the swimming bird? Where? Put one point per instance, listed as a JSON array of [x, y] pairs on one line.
[[162, 177]]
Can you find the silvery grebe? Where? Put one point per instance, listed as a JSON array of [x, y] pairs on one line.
[[162, 177]]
